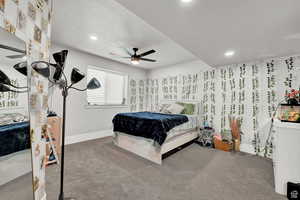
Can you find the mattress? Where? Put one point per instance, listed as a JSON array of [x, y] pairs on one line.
[[148, 124], [191, 125]]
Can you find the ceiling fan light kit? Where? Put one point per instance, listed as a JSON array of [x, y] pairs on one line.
[[135, 61]]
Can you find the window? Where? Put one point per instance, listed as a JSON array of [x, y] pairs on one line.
[[113, 89]]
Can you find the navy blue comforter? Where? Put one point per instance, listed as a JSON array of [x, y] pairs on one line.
[[14, 138], [147, 124]]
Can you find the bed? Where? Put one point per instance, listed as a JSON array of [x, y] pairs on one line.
[[174, 131], [14, 138], [15, 153]]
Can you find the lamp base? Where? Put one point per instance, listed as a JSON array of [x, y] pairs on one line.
[[61, 197]]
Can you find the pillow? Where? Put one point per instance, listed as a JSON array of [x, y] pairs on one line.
[[18, 117], [175, 109], [189, 108], [9, 118], [163, 108]]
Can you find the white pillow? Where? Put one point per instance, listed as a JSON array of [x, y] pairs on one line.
[[163, 108], [175, 109]]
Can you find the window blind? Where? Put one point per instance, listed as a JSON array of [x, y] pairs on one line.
[[112, 91]]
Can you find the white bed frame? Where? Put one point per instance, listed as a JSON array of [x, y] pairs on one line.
[[146, 149]]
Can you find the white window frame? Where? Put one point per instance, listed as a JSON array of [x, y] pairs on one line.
[[126, 88]]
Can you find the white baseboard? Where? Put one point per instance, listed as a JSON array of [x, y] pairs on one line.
[[88, 136], [247, 148]]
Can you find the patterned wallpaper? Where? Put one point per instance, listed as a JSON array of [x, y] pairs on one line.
[[250, 91], [30, 21], [143, 94], [152, 93], [170, 88]]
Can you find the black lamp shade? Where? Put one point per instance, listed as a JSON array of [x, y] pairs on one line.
[[4, 88], [76, 76], [21, 67], [4, 78], [93, 84], [42, 68], [60, 59]]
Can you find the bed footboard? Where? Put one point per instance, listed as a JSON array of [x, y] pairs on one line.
[[142, 147]]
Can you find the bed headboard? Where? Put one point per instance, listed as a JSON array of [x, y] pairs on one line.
[[198, 105]]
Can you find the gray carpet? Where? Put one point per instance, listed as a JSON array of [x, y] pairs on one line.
[[97, 170]]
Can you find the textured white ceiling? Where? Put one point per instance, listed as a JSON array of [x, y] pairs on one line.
[[116, 27], [255, 29]]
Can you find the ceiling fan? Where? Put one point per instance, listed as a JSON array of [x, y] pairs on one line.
[[136, 58], [21, 55]]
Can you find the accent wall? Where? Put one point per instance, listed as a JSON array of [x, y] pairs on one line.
[[250, 91]]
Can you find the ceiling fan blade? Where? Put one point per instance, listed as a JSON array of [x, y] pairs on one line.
[[128, 52], [11, 49], [113, 54], [147, 53], [15, 56], [149, 60]]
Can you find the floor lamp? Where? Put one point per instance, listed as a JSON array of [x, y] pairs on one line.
[[60, 79], [6, 85]]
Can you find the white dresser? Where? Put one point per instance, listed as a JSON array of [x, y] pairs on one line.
[[286, 157]]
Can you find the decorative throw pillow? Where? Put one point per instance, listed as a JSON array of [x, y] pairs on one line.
[[175, 109], [163, 108], [9, 118], [189, 108], [18, 117]]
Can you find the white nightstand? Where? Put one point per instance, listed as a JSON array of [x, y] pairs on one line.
[[286, 156]]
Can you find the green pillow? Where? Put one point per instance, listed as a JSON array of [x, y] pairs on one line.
[[189, 108]]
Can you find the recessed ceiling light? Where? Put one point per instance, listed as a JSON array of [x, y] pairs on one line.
[[186, 1], [229, 53], [93, 37]]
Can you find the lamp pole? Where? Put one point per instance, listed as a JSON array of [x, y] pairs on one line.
[[64, 94], [93, 84]]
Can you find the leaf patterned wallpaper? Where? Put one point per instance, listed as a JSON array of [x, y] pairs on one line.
[[149, 94], [143, 94], [250, 91], [30, 20]]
